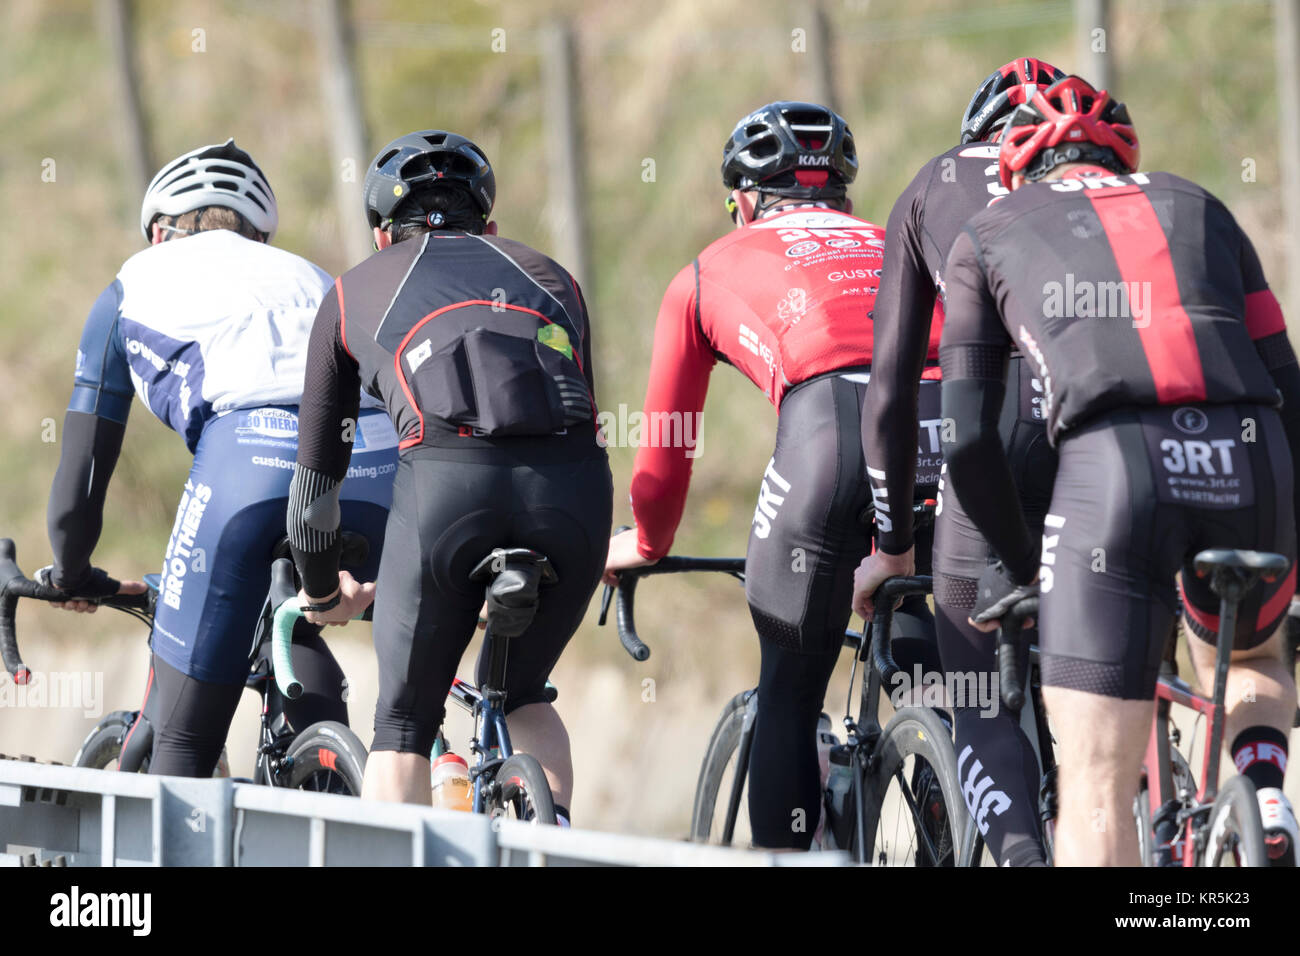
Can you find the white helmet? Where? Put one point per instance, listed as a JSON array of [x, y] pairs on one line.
[[216, 175]]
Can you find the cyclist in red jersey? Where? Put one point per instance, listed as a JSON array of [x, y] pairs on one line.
[[785, 299], [1163, 356]]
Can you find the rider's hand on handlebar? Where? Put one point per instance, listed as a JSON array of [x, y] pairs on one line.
[[356, 598], [873, 571], [97, 584], [623, 554], [995, 594]]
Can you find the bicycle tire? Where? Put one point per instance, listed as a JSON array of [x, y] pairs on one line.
[[520, 785], [974, 851], [1235, 826], [103, 745], [723, 743], [919, 733], [327, 757]]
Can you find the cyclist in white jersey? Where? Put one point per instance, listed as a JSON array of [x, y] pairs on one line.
[[211, 334]]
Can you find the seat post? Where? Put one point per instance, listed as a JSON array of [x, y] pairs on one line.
[[1230, 584], [497, 650]]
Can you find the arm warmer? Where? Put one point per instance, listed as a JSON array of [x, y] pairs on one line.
[[973, 354], [327, 422], [75, 514]]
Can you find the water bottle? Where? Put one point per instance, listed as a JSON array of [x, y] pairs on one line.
[[839, 784], [449, 779]]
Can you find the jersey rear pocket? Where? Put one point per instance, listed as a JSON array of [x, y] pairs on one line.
[[496, 384]]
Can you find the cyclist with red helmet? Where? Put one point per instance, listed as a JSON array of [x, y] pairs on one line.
[[1162, 355], [925, 220], [782, 298]]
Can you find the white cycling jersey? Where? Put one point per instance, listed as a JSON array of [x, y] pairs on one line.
[[198, 327]]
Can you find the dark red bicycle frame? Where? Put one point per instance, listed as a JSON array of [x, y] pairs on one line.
[[1160, 786]]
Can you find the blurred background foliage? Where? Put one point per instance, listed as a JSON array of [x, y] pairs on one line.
[[659, 80]]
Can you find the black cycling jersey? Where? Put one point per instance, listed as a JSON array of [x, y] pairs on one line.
[[1123, 291], [479, 348], [446, 330], [925, 220]]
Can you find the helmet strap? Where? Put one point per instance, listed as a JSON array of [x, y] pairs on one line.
[[1051, 157]]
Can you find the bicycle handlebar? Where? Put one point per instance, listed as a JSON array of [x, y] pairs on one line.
[[673, 564], [627, 582], [882, 654], [284, 601], [1010, 641], [14, 585]]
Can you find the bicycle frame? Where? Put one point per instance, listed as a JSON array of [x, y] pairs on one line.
[[1172, 818], [1171, 822], [490, 732]]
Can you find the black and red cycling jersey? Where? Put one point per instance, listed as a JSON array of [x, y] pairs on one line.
[[409, 324], [784, 299], [450, 331], [925, 220], [1122, 291]]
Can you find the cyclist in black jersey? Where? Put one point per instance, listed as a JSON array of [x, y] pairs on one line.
[[480, 349], [1163, 356], [925, 220]]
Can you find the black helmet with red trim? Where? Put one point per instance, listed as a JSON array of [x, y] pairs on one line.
[[1008, 87], [796, 150], [1069, 122]]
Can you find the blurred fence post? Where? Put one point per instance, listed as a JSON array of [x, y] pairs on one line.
[[1287, 29], [820, 55], [341, 94], [1092, 25], [115, 22], [565, 152]]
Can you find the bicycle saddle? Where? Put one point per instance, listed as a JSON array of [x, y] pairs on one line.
[[515, 575], [1269, 566], [356, 548]]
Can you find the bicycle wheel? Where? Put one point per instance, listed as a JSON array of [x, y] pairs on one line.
[[103, 745], [913, 811], [974, 851], [521, 791], [1236, 832], [327, 757], [714, 771]]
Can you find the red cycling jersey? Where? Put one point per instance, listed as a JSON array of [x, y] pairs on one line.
[[784, 299]]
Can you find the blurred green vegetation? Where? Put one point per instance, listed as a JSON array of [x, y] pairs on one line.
[[662, 81]]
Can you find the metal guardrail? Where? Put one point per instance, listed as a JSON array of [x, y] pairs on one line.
[[70, 816]]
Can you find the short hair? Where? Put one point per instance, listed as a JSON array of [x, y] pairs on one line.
[[208, 218], [453, 203]]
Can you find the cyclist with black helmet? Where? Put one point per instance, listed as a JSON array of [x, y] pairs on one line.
[[480, 349], [925, 220], [1162, 355], [211, 332], [783, 298]]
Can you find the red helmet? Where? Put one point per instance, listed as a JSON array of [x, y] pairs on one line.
[[1001, 92], [1068, 122]]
